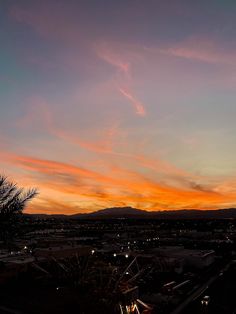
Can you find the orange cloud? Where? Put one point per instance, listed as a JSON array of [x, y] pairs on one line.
[[50, 167], [105, 146], [86, 189]]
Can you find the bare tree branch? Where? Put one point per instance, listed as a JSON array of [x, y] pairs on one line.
[[13, 200]]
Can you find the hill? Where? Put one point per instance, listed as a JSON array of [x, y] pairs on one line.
[[134, 213], [129, 212]]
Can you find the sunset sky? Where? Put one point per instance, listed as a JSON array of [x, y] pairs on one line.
[[119, 103]]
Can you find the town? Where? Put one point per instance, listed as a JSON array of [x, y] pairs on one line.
[[120, 265]]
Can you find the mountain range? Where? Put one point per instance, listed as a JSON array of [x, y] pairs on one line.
[[134, 213]]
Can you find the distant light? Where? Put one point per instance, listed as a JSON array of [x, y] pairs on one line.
[[92, 251], [25, 247], [114, 254], [127, 273], [126, 255]]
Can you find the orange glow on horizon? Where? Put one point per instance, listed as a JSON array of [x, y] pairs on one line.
[[66, 188]]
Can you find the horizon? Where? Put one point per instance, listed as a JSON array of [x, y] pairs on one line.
[[115, 103], [137, 209]]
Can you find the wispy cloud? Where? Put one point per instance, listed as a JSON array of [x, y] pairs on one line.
[[118, 60], [49, 167], [109, 56], [201, 49], [104, 146], [139, 107]]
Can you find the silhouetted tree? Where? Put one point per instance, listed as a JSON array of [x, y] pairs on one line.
[[12, 202]]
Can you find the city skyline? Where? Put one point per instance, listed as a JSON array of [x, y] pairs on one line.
[[119, 103]]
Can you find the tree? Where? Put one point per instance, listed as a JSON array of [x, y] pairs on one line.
[[12, 202]]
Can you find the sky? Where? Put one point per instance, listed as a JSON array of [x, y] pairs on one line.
[[109, 103]]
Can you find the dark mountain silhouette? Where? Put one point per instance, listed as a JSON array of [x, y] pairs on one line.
[[117, 212], [130, 212]]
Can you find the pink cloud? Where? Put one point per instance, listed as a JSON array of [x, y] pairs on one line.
[[139, 107], [113, 59], [201, 49], [104, 146]]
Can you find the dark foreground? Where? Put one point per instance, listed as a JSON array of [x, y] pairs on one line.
[[222, 295], [119, 266]]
